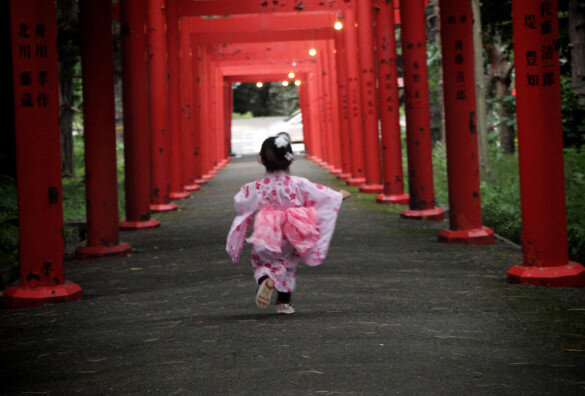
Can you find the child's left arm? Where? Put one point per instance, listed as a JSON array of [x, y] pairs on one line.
[[246, 203]]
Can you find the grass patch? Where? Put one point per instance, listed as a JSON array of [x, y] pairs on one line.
[[501, 196]]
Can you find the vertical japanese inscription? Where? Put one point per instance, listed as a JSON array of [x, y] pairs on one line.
[[540, 58]]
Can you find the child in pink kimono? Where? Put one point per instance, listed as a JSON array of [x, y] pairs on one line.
[[294, 220]]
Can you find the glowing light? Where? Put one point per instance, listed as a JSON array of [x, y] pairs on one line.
[[291, 75], [297, 82], [259, 84], [338, 25], [285, 83], [312, 52]]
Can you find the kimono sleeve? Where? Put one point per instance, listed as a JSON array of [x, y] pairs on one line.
[[246, 203], [326, 203]]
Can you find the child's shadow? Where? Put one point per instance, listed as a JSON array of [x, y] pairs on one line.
[[272, 316]]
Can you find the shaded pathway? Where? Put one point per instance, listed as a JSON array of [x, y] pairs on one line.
[[390, 311]]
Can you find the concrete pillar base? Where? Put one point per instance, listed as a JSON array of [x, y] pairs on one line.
[[434, 214], [371, 188], [201, 181], [398, 199], [208, 176], [163, 207], [333, 170], [569, 275], [24, 297], [355, 181], [179, 195], [97, 252], [476, 236], [344, 176], [138, 225], [191, 187]]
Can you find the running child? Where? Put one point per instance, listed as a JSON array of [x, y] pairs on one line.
[[295, 220]]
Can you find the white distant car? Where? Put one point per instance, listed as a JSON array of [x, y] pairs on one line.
[[292, 125]]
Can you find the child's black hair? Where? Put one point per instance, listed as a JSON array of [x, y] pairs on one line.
[[276, 158]]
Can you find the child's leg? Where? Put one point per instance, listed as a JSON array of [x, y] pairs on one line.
[[283, 298]]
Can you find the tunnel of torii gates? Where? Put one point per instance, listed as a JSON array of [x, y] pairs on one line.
[[177, 72]]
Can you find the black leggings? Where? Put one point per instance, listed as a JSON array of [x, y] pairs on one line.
[[281, 298]]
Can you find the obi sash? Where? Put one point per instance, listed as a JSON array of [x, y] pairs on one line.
[[297, 225]]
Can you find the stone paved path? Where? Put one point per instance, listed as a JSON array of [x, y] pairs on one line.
[[391, 311]]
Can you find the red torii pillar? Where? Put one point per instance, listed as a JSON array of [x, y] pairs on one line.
[[316, 133], [389, 105], [540, 149], [187, 112], [197, 67], [136, 131], [331, 77], [99, 132], [416, 104], [324, 130], [465, 225], [306, 119], [158, 106], [369, 97], [176, 143], [343, 106], [355, 101], [330, 148], [205, 131], [36, 121]]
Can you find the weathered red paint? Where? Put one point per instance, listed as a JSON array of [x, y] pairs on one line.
[[38, 159], [292, 24], [331, 79], [99, 132], [197, 117], [136, 130], [304, 106], [187, 113], [324, 119], [226, 7], [158, 106], [416, 104], [355, 102], [174, 98], [343, 107], [369, 97], [389, 105], [540, 149], [465, 225]]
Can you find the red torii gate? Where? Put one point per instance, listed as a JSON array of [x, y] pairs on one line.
[[326, 21], [279, 53], [544, 220]]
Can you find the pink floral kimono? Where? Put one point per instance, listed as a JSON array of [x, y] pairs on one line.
[[295, 220]]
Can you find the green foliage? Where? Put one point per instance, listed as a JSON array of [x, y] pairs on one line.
[[494, 119], [8, 223], [573, 112], [575, 191], [271, 100], [500, 195], [244, 116]]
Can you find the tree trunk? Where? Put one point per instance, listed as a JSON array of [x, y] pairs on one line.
[[436, 110], [67, 19], [501, 69], [482, 140], [577, 37]]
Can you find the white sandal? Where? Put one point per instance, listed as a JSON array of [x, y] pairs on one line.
[[264, 293], [286, 309]]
